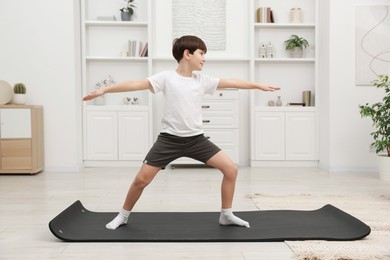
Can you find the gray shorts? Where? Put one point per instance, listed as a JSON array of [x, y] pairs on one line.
[[169, 147]]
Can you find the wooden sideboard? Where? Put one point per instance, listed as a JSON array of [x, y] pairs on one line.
[[21, 139]]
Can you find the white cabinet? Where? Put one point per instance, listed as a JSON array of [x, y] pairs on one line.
[[284, 136], [133, 135], [269, 140], [301, 138], [220, 123], [101, 135], [116, 136]]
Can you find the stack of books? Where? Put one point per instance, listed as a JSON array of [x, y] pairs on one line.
[[265, 15], [138, 49]]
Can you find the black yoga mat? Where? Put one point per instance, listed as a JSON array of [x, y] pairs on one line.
[[77, 224]]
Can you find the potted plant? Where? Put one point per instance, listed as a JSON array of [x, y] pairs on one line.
[[19, 97], [296, 45], [128, 10], [380, 115]]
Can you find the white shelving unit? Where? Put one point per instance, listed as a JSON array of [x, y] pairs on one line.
[[115, 134], [286, 135], [293, 129]]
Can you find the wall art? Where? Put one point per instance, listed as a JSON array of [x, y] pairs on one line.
[[203, 18], [372, 42]]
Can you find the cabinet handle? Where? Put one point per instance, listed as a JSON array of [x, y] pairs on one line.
[[220, 94], [205, 106], [206, 121]]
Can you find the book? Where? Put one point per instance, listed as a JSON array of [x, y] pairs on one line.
[[265, 15], [306, 97], [137, 48], [296, 104], [144, 50], [268, 14], [260, 15]]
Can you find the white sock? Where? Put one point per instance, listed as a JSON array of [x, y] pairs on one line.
[[228, 218], [119, 220]]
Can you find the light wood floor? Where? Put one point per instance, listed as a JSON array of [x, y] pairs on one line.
[[28, 203]]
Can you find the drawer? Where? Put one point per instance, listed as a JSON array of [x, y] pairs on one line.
[[222, 136], [220, 120], [227, 106], [223, 95], [16, 154]]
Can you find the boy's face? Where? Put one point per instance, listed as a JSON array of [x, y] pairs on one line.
[[197, 59]]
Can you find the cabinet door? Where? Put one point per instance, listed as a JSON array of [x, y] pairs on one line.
[[101, 136], [133, 135], [269, 136], [300, 136], [16, 154], [15, 123]]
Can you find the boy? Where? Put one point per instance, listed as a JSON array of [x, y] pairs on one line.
[[182, 133]]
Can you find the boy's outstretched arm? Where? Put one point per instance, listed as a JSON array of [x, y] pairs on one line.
[[129, 85], [242, 84]]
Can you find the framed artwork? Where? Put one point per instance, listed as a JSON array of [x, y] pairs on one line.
[[372, 42], [203, 18]]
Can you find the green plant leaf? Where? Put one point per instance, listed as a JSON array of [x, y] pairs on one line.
[[379, 113]]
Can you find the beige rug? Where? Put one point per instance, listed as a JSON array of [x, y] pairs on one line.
[[374, 211]]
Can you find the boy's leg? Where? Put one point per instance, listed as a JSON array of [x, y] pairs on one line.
[[141, 180], [222, 162]]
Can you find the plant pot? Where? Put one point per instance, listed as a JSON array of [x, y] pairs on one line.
[[296, 52], [384, 167], [19, 99], [125, 16]]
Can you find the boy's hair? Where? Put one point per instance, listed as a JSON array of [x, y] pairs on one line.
[[187, 42]]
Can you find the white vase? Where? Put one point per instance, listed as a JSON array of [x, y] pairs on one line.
[[296, 15], [384, 167], [19, 99]]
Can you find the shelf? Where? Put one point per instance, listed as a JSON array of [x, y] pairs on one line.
[[283, 109], [117, 108], [116, 23], [286, 60], [207, 59], [103, 58], [227, 59], [285, 25]]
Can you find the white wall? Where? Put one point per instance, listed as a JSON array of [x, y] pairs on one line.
[[349, 134], [38, 47]]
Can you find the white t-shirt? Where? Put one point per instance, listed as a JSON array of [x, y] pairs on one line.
[[183, 101]]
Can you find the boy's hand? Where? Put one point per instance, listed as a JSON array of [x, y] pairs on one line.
[[93, 94], [268, 88]]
